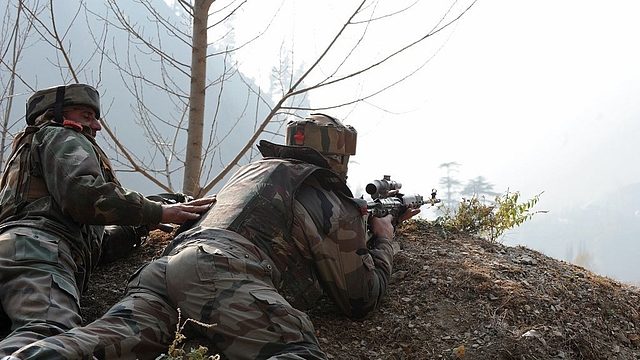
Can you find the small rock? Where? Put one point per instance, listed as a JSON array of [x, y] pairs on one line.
[[398, 275], [527, 261], [622, 338]]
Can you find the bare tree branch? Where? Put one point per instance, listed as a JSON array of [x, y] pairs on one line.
[[164, 58], [293, 91]]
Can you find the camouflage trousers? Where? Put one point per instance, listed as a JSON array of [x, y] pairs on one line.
[[234, 294], [38, 290]]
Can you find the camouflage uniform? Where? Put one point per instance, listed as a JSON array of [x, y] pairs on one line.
[[281, 232], [57, 191]]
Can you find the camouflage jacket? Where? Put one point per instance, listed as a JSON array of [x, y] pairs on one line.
[[304, 219], [59, 180]]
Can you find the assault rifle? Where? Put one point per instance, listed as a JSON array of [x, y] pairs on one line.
[[387, 199]]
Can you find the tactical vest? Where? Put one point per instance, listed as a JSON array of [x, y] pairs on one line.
[[22, 185], [22, 182], [257, 203]]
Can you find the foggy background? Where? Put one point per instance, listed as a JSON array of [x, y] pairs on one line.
[[534, 96]]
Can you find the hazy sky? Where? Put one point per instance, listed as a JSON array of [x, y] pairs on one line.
[[533, 95], [550, 86]]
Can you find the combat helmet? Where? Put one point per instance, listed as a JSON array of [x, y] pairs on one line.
[[326, 134], [61, 96]]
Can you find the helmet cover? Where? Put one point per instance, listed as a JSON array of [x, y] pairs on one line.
[[323, 133], [62, 96], [326, 134]]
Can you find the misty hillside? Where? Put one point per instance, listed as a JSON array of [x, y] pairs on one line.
[[460, 297], [600, 234]]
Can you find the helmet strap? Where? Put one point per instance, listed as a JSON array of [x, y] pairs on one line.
[[57, 107]]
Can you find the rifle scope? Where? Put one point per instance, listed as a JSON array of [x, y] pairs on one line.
[[380, 188]]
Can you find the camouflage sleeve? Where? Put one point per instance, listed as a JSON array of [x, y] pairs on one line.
[[73, 174], [330, 230]]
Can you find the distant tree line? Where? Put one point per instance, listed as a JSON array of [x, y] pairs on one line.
[[455, 189]]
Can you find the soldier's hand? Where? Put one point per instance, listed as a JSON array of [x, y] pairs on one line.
[[411, 212], [181, 212], [382, 226]]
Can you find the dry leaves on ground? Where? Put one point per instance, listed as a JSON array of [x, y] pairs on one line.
[[459, 297]]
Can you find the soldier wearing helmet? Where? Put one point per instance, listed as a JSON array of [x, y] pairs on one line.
[[283, 231], [55, 101], [57, 192], [335, 141]]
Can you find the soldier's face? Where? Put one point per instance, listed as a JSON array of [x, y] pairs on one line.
[[84, 116]]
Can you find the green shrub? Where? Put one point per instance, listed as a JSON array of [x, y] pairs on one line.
[[488, 219]]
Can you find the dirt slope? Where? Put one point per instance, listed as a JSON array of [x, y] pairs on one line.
[[459, 297]]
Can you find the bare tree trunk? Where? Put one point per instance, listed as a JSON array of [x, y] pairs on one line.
[[193, 160], [168, 153]]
